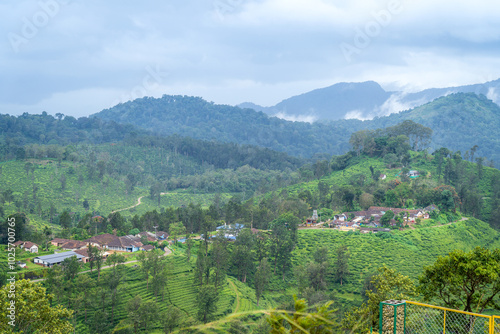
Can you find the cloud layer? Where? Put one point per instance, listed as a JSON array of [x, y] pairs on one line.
[[80, 57]]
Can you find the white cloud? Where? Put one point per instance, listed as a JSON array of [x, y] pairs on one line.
[[261, 50], [394, 104], [493, 95], [297, 118], [357, 114]]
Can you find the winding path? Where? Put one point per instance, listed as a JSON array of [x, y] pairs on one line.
[[461, 220], [130, 207], [237, 296], [139, 202]]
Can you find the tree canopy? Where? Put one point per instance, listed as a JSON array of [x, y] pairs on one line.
[[467, 280], [33, 311]]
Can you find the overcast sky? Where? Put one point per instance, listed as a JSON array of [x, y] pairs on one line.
[[79, 57]]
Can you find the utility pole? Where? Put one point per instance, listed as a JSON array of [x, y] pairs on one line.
[[155, 227]]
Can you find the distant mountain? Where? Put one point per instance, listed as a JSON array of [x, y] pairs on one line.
[[489, 89], [459, 121], [364, 100], [342, 100]]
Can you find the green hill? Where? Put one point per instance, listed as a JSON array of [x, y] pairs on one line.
[[459, 121], [470, 117]]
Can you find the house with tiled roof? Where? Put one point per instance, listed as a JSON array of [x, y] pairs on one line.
[[150, 236], [161, 235], [58, 241], [102, 240], [128, 243], [147, 248], [74, 245], [85, 253], [27, 245]]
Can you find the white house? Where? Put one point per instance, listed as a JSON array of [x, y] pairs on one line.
[[27, 245]]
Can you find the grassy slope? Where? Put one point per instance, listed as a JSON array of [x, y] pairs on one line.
[[340, 178], [102, 200], [181, 292], [406, 251]]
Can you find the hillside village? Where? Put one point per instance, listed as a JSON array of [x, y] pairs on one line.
[[368, 221], [371, 220], [108, 243]]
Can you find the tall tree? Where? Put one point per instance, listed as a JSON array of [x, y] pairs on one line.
[[283, 240], [55, 280], [17, 221], [170, 318], [96, 257], [62, 179], [176, 229], [159, 271], [262, 277], [207, 302], [70, 267], [189, 246], [342, 264], [219, 257], [85, 284], [145, 267], [133, 311], [65, 220], [113, 279], [243, 256], [385, 220]]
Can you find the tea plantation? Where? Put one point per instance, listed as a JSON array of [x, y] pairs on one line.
[[406, 251]]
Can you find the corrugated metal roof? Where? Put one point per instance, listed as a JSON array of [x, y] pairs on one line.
[[56, 258]]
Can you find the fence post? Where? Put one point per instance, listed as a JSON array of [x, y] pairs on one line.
[[392, 321]]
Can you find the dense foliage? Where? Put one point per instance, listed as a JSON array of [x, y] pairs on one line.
[[472, 118]]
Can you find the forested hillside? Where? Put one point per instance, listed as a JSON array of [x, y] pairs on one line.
[[459, 121], [188, 189], [197, 118], [470, 117]]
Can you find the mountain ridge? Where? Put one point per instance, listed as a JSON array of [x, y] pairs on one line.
[[197, 118], [363, 100]]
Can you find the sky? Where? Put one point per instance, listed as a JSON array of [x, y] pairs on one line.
[[79, 57]]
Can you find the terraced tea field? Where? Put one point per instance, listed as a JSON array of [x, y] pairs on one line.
[[180, 292], [406, 251]]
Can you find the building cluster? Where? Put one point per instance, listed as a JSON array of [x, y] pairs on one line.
[[369, 220], [106, 242]]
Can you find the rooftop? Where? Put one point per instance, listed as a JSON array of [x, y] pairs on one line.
[[57, 258]]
